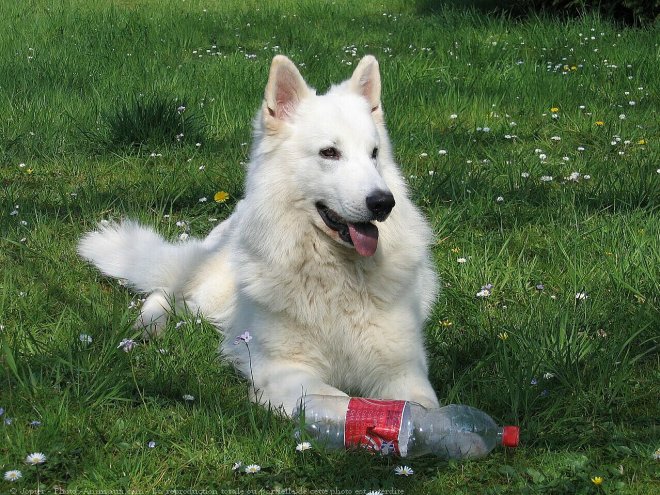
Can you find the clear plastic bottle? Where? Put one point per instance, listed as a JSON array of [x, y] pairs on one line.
[[403, 428]]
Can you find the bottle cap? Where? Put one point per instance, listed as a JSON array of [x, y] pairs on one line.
[[510, 436]]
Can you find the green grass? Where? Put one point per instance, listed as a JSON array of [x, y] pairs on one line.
[[72, 74]]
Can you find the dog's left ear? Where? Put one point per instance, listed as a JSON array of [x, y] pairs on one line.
[[366, 82]]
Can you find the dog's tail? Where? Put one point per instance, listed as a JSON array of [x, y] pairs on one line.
[[140, 256]]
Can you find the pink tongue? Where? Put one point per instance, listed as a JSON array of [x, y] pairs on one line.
[[364, 237]]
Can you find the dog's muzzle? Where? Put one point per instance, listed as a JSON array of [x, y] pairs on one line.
[[362, 235]]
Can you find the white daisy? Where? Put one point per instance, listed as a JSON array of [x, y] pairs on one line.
[[13, 475], [483, 293], [188, 397], [35, 458], [303, 446], [84, 338], [403, 471], [252, 469]]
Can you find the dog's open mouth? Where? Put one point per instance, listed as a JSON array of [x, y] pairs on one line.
[[362, 235]]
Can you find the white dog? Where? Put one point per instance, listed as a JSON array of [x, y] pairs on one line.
[[331, 279]]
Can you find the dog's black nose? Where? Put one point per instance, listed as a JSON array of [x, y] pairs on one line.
[[380, 203]]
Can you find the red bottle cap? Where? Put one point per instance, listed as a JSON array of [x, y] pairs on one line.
[[510, 436]]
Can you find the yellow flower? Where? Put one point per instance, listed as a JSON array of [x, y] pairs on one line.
[[446, 323], [599, 123], [554, 109], [597, 480], [502, 336], [28, 171], [455, 250], [573, 67], [641, 141], [221, 196]]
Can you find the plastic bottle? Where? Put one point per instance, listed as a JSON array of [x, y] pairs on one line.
[[402, 428]]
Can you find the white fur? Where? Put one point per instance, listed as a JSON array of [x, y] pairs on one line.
[[324, 320]]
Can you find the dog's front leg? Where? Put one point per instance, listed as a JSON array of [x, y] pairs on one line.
[[409, 384], [282, 384]]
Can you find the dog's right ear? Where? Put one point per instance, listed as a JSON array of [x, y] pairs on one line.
[[285, 89]]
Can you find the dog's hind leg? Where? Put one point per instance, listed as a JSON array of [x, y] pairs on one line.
[[153, 315]]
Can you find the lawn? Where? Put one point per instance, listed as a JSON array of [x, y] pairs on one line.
[[531, 145]]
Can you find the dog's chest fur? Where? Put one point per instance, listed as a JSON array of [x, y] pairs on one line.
[[332, 308]]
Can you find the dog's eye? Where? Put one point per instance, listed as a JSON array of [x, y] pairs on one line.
[[331, 153], [374, 153]]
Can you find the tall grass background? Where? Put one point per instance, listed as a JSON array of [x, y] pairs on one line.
[[565, 344]]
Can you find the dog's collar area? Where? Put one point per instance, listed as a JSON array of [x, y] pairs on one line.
[[362, 235]]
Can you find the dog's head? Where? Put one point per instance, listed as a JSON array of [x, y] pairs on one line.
[[329, 146]]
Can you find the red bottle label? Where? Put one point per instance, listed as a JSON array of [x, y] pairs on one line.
[[374, 424]]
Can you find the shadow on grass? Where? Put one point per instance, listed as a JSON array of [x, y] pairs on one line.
[[618, 11]]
